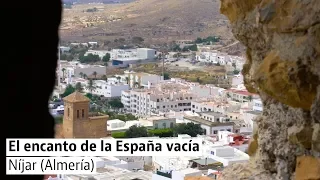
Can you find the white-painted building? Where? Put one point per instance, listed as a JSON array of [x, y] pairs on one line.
[[211, 127], [257, 105], [249, 118], [106, 89], [146, 53], [164, 96], [214, 106], [141, 79], [64, 49], [118, 125], [123, 58], [112, 168], [213, 57], [76, 69], [237, 80], [100, 53], [240, 95]]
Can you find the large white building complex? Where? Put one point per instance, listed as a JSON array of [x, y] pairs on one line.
[[161, 98]]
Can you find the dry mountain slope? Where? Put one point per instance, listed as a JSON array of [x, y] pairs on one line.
[[154, 20]]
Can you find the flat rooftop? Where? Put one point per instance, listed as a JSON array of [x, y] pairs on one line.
[[236, 156], [127, 59], [215, 114], [208, 123], [254, 112], [142, 175], [189, 171]]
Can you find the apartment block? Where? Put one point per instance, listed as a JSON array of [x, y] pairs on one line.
[[102, 88], [162, 98], [213, 105], [240, 95]]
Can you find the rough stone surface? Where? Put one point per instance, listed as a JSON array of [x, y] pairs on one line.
[[283, 65], [307, 168]]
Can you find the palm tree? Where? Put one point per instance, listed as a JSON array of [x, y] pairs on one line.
[[95, 74], [63, 71], [118, 78], [79, 87], [91, 86], [81, 74], [85, 76], [127, 80]]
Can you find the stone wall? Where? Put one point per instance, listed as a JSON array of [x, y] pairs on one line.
[[282, 38]]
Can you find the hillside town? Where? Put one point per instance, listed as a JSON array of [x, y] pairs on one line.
[[136, 104]]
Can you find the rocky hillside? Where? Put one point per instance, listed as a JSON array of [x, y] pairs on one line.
[[154, 20]]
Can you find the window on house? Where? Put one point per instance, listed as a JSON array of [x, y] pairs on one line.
[[78, 114], [215, 132], [229, 130], [157, 100], [164, 106], [156, 126], [164, 125], [171, 125], [82, 113], [68, 112]]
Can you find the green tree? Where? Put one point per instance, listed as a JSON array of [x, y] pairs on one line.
[[106, 58], [135, 132], [68, 57], [81, 74], [166, 76], [116, 103], [91, 86], [176, 48], [69, 90], [236, 71], [90, 58], [79, 87], [199, 40], [161, 132], [104, 77], [89, 95], [193, 48], [119, 135], [85, 76], [136, 84], [118, 78], [189, 128], [63, 72], [95, 74], [58, 119]]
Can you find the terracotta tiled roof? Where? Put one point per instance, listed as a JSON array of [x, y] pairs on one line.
[[76, 97]]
